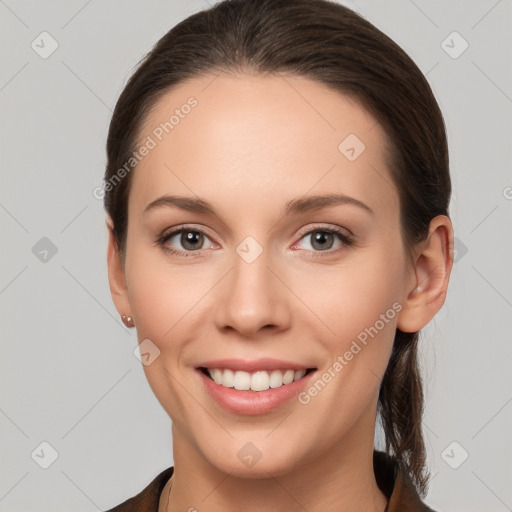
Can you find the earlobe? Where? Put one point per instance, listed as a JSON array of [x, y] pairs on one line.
[[432, 268], [116, 274]]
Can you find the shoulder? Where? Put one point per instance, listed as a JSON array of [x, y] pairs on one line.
[[148, 499], [396, 485]]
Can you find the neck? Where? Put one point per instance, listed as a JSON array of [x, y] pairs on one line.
[[342, 479]]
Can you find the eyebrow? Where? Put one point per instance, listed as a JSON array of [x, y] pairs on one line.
[[299, 205]]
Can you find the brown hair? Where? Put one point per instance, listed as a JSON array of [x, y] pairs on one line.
[[329, 43]]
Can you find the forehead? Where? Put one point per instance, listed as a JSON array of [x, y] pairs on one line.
[[240, 137]]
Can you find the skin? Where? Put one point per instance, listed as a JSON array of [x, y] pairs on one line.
[[253, 143]]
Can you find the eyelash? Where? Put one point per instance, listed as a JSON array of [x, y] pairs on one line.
[[346, 240]]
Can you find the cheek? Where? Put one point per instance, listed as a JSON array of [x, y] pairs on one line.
[[352, 297], [359, 306], [165, 301], [162, 295]]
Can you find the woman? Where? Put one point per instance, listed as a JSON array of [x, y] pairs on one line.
[[277, 194]]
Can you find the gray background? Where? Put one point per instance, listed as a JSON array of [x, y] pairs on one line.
[[68, 375]]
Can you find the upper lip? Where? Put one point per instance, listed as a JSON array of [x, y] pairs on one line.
[[253, 365]]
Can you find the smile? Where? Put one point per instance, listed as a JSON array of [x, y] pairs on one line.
[[261, 380], [256, 386]]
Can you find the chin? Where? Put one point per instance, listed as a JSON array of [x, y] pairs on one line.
[[257, 459]]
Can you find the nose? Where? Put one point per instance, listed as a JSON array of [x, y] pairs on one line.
[[253, 298]]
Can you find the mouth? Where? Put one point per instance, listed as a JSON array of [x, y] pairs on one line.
[[257, 381], [254, 387]]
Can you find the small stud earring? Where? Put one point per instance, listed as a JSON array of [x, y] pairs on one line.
[[128, 321]]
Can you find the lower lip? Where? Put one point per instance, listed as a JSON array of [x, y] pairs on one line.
[[254, 402]]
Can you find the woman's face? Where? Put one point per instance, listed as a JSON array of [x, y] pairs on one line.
[[260, 280]]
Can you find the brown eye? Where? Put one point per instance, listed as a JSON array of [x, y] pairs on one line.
[[187, 241], [322, 240], [191, 240]]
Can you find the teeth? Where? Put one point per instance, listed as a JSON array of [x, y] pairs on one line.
[[227, 378], [242, 381], [257, 381], [260, 381], [216, 375], [299, 374], [288, 376], [276, 379]]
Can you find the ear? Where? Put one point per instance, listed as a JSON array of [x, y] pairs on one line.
[[433, 261], [116, 275]]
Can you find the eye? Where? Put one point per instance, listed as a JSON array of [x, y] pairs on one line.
[[191, 240], [322, 239]]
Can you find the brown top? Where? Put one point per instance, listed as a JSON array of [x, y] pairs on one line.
[[395, 484]]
